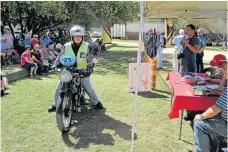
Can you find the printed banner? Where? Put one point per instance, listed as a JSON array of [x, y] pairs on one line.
[[144, 77]]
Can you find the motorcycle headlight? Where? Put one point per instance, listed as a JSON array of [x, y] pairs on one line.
[[65, 76]]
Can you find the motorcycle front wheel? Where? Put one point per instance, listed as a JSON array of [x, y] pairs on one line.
[[64, 112]]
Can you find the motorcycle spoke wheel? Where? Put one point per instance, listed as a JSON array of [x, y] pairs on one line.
[[67, 111]]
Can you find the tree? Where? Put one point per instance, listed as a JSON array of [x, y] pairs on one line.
[[108, 12], [33, 15], [39, 16], [112, 12], [207, 24]]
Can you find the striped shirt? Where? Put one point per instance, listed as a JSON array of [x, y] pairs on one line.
[[222, 103]]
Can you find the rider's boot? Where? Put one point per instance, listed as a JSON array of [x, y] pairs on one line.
[[52, 108], [99, 105]]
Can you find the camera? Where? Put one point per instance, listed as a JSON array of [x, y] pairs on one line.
[[181, 55]]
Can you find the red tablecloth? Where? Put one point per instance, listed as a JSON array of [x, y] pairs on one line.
[[184, 98]]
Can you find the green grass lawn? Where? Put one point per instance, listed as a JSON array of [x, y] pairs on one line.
[[124, 41], [28, 127]]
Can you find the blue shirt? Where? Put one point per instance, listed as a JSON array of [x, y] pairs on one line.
[[177, 41], [222, 103], [203, 42], [27, 42], [4, 46], [159, 40], [46, 41]]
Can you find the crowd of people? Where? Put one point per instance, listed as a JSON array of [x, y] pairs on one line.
[[155, 43], [189, 50], [210, 125], [37, 54], [8, 53], [42, 50], [39, 57]]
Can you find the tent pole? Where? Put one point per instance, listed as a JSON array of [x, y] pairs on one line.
[[166, 32], [139, 54]]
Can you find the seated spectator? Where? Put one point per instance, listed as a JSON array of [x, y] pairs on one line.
[[44, 58], [27, 40], [218, 78], [218, 67], [44, 53], [36, 57], [9, 37], [34, 40], [52, 53], [27, 62], [103, 49], [4, 44], [6, 52], [207, 126], [46, 40], [3, 87]]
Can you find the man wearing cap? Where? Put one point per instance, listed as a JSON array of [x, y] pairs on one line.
[[9, 37], [34, 40], [217, 69], [212, 124], [216, 78]]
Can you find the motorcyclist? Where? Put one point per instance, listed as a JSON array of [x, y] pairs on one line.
[[79, 48]]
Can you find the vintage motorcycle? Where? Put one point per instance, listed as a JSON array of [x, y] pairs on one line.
[[71, 93]]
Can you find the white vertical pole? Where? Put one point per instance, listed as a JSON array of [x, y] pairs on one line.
[[139, 54]]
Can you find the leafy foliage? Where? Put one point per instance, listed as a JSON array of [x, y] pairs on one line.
[[39, 16], [207, 24]]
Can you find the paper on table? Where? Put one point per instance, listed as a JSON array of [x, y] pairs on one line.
[[212, 86], [199, 87], [187, 76], [225, 149], [200, 78]]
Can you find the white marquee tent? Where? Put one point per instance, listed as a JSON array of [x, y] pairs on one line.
[[174, 9]]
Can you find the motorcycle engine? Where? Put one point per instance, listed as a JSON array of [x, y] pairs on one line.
[[76, 82]]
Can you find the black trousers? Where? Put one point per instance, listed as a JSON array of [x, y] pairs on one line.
[[199, 62]]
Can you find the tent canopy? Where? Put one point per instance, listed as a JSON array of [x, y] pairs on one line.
[[186, 9]]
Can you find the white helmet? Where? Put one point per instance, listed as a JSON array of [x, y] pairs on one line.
[[76, 30]]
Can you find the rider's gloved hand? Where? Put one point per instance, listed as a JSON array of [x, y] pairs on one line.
[[90, 68]]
